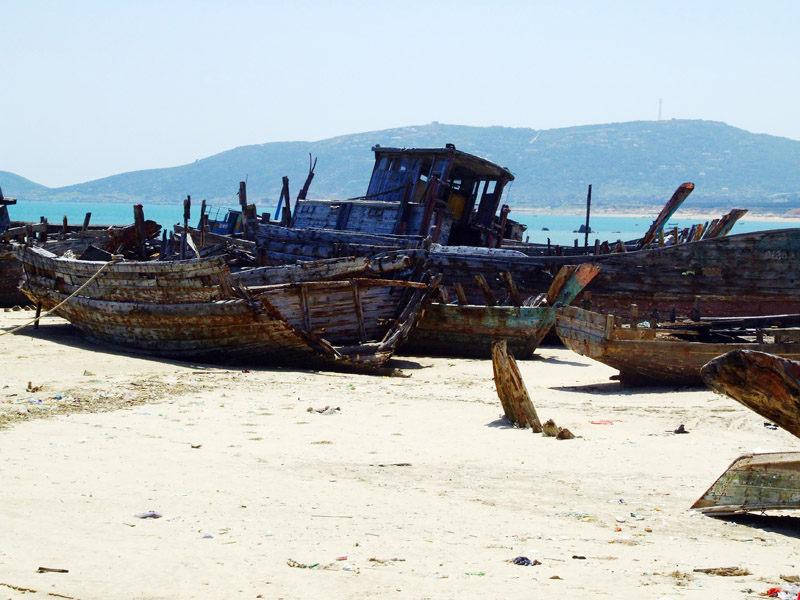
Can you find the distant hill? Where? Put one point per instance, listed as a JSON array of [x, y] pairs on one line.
[[630, 166], [14, 186]]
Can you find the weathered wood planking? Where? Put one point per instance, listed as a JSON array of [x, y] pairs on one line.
[[469, 330], [10, 274], [511, 389], [644, 355], [193, 308], [755, 482], [764, 383], [752, 273], [322, 270]]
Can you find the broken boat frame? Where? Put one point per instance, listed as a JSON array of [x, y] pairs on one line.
[[194, 309]]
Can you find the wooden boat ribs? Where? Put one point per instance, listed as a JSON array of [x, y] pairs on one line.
[[194, 308]]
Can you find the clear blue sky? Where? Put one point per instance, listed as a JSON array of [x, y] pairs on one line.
[[98, 87]]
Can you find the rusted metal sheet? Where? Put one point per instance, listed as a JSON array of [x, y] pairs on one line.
[[664, 355], [764, 383], [755, 482]]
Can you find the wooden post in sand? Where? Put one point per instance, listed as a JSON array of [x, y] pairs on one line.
[[511, 390]]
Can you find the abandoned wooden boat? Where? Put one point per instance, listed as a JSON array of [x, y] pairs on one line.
[[462, 329], [765, 383], [770, 386], [726, 275], [194, 309], [671, 353], [755, 482], [452, 200], [447, 194], [10, 267], [94, 242]]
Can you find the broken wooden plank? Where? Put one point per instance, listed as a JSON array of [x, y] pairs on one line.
[[511, 389], [669, 209], [488, 295], [566, 287], [764, 383], [513, 293]]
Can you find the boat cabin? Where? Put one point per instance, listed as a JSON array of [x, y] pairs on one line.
[[449, 195]]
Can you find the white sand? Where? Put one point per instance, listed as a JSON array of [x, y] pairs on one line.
[[416, 481]]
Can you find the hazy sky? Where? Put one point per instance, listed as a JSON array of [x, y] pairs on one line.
[[98, 87]]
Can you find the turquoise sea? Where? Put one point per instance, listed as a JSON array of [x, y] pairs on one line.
[[561, 229]]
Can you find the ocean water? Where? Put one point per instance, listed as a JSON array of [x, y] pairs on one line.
[[560, 229]]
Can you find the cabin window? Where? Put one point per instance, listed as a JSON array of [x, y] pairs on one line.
[[490, 186], [438, 167], [403, 164], [375, 212], [383, 165]]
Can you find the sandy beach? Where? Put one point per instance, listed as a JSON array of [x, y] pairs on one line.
[[408, 486]]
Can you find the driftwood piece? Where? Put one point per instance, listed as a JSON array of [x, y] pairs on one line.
[[764, 383], [511, 390], [550, 429]]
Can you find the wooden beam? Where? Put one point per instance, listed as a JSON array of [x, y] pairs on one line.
[[511, 389], [513, 292], [488, 295]]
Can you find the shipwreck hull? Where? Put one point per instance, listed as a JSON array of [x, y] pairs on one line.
[[643, 355], [453, 330], [10, 274], [755, 482], [766, 384], [464, 330], [194, 309], [738, 275]]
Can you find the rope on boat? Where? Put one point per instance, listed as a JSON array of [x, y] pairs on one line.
[[60, 304]]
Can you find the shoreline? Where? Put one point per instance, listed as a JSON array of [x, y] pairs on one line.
[[707, 216]]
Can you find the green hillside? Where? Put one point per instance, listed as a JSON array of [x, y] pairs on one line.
[[630, 165], [14, 186]]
